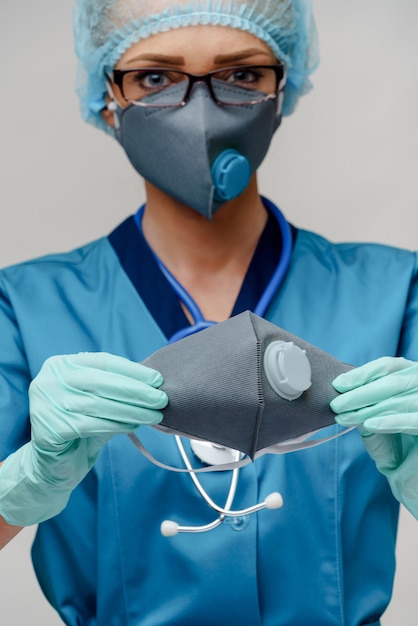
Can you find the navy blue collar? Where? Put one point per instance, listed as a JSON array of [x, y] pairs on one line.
[[139, 264]]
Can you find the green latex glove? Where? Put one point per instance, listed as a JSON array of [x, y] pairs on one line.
[[381, 399], [77, 403]]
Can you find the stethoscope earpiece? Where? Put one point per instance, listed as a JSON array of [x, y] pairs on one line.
[[169, 528]]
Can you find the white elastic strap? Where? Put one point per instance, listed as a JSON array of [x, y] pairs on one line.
[[113, 105], [293, 445]]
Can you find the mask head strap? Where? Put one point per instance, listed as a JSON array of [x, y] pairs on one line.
[[292, 445]]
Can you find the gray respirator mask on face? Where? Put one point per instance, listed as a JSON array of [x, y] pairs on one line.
[[202, 153]]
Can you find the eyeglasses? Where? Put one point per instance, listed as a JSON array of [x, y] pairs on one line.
[[253, 83]]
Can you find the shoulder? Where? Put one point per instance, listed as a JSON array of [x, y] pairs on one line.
[[83, 260], [354, 255]]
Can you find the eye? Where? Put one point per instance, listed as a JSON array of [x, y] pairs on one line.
[[152, 80], [244, 76], [254, 78], [138, 84]]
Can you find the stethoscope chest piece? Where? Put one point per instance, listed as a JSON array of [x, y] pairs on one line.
[[214, 454]]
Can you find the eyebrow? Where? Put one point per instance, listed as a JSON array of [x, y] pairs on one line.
[[158, 58], [238, 56], [220, 59]]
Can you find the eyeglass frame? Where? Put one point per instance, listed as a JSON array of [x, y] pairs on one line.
[[116, 77]]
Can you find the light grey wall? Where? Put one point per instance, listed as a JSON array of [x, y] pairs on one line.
[[346, 166]]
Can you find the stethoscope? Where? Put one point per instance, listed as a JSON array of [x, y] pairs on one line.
[[199, 322], [206, 451]]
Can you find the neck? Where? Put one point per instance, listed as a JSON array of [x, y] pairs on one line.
[[209, 258]]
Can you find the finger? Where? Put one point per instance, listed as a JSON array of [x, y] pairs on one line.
[[134, 398], [369, 372], [61, 380], [384, 450], [91, 425], [403, 423], [351, 418], [89, 363], [93, 429], [106, 362], [378, 391], [68, 426], [395, 405], [110, 386]]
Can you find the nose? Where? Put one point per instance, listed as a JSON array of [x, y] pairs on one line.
[[230, 170], [199, 84]]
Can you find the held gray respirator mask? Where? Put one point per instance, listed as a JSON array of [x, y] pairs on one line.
[[248, 385], [201, 153], [237, 390]]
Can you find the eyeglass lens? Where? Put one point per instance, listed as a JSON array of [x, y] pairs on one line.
[[258, 81]]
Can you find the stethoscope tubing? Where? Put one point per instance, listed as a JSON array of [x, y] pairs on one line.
[[284, 261], [198, 484], [170, 528], [199, 321]]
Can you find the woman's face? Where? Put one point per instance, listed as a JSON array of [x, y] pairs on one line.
[[195, 49]]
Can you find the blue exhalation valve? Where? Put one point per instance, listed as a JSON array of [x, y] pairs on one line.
[[231, 174]]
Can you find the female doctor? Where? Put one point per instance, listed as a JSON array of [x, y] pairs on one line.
[[194, 92]]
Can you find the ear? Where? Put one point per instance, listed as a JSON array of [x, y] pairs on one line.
[[108, 117], [107, 114]]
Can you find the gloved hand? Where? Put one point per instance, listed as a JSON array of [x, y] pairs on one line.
[[381, 399], [77, 403]]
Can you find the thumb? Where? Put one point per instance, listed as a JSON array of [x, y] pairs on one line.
[[385, 450]]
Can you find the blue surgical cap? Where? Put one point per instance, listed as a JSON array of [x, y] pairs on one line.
[[105, 29]]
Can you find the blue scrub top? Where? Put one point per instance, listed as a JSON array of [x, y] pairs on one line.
[[326, 558]]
